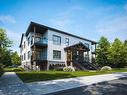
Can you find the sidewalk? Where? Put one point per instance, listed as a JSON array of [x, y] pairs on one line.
[[10, 84], [46, 87]]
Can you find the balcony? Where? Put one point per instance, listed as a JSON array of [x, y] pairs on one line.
[[40, 42], [39, 55]]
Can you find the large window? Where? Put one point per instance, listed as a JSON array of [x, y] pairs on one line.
[[28, 41], [24, 56], [56, 54], [37, 39], [24, 44], [38, 55], [32, 40], [28, 55], [56, 40], [67, 41]]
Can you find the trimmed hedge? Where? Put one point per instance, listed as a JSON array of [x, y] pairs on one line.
[[1, 70], [13, 69]]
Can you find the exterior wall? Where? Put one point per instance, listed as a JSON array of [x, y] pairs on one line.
[[25, 50], [27, 62], [72, 41]]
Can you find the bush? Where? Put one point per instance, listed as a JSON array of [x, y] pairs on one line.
[[106, 68], [1, 70], [13, 69], [69, 69]]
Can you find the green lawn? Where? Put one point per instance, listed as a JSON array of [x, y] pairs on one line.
[[51, 75]]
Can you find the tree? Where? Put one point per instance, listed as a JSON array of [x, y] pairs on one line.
[[4, 52], [103, 51], [125, 52], [117, 54], [4, 41], [15, 59], [6, 57]]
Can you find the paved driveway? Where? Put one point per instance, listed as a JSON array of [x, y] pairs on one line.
[[114, 87], [10, 84], [76, 84]]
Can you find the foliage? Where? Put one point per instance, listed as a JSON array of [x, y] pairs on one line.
[[13, 69], [117, 54], [102, 51], [106, 68], [69, 69], [4, 52], [6, 57], [112, 54], [4, 41], [1, 70], [15, 59]]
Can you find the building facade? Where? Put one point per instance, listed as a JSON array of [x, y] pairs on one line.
[[45, 48]]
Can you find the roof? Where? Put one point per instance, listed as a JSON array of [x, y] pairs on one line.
[[21, 39], [43, 28], [77, 45]]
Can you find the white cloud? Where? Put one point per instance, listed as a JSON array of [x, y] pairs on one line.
[[7, 19], [113, 28]]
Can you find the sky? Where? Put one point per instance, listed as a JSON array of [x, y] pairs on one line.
[[90, 19]]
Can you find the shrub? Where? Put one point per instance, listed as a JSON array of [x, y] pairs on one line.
[[13, 69], [69, 69], [106, 68], [1, 70]]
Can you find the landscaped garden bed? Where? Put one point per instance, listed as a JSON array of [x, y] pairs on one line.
[[52, 75]]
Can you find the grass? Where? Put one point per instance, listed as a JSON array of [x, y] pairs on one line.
[[51, 75], [13, 69]]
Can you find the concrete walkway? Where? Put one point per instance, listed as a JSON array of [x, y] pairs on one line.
[[10, 84], [46, 87]]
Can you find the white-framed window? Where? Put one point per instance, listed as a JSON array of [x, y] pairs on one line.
[[67, 41], [32, 40], [28, 55], [24, 56], [56, 40], [28, 41], [56, 54], [37, 39], [24, 44]]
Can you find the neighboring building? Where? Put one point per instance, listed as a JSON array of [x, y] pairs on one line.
[[47, 48]]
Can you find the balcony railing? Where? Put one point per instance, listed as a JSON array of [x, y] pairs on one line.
[[41, 40]]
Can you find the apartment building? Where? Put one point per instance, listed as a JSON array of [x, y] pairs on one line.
[[44, 48]]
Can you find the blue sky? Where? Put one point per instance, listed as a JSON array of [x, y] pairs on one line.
[[87, 18]]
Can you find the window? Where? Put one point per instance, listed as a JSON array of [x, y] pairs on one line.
[[67, 41], [37, 39], [32, 40], [21, 48], [28, 55], [86, 44], [24, 56], [24, 44], [56, 40], [56, 54], [28, 41], [38, 55]]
